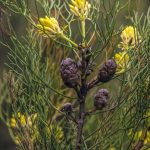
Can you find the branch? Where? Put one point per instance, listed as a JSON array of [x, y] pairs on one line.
[[81, 98]]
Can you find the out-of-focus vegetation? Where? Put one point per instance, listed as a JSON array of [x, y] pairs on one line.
[[37, 94]]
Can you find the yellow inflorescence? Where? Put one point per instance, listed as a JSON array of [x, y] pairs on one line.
[[129, 37], [49, 27], [57, 131], [24, 122], [13, 122], [80, 8], [112, 148], [147, 140], [138, 136], [17, 140], [20, 119], [122, 61]]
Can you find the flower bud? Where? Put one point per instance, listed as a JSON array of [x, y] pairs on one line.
[[49, 27], [107, 70], [67, 108], [130, 38], [70, 73], [123, 62], [101, 98], [80, 8]]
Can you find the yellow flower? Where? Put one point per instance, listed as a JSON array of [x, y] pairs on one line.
[[17, 140], [13, 122], [112, 148], [129, 37], [122, 60], [80, 8], [18, 120], [31, 119], [49, 27], [147, 140], [138, 135], [21, 120], [56, 131]]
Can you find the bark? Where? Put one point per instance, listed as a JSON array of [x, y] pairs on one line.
[[80, 125]]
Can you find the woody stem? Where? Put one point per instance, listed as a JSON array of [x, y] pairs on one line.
[[80, 124], [81, 98]]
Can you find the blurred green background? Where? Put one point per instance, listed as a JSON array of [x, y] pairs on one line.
[[140, 6]]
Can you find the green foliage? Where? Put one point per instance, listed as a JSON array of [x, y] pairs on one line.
[[34, 85]]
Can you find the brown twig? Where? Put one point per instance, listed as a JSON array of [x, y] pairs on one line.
[[92, 83], [81, 98], [139, 145], [80, 124]]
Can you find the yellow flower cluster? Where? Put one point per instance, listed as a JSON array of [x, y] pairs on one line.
[[22, 121], [138, 135], [112, 148], [80, 8], [56, 131], [19, 120], [129, 37], [49, 27], [122, 60]]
